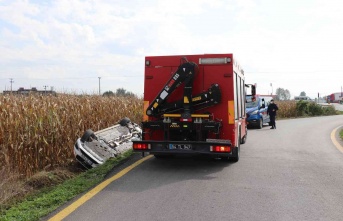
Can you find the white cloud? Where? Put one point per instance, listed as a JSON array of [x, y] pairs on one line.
[[294, 45]]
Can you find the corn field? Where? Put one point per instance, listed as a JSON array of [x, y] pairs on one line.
[[39, 132], [287, 109]]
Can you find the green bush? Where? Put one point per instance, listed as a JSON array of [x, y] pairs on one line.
[[302, 109], [314, 109], [293, 109], [329, 110]]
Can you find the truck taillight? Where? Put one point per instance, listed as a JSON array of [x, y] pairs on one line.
[[220, 148], [141, 146]]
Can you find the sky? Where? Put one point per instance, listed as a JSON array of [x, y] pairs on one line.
[[73, 45]]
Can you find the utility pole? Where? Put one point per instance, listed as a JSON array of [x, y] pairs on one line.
[[11, 81], [45, 86], [99, 86]]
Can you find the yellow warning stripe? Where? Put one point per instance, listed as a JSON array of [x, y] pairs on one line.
[[145, 107], [231, 112]]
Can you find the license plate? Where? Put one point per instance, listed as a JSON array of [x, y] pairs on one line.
[[180, 146], [88, 161]]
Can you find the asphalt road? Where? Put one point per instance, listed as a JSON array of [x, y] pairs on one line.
[[291, 173]]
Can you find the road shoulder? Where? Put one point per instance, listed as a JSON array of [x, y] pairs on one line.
[[338, 142]]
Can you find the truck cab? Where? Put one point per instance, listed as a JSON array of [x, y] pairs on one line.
[[256, 110]]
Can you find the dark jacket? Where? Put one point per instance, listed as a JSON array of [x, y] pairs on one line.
[[272, 108]]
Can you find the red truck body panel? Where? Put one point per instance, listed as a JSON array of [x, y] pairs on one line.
[[230, 78]]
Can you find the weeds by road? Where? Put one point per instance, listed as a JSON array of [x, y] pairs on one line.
[[47, 199]]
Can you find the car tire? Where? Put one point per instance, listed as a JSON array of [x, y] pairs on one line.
[[260, 124], [123, 122], [87, 135]]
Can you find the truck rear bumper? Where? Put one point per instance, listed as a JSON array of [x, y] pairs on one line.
[[212, 149]]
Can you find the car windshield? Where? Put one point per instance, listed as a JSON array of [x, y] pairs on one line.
[[251, 104]]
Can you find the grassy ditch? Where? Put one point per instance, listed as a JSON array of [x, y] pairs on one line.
[[48, 199]]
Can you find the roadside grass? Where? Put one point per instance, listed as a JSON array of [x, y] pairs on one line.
[[341, 134], [48, 199]]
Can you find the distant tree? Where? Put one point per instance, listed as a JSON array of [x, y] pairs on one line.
[[121, 92], [303, 93], [282, 94], [108, 93], [124, 93]]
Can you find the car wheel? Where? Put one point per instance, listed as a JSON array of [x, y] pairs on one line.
[[123, 122], [87, 135], [260, 124]]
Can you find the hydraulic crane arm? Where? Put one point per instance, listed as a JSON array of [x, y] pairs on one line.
[[185, 73], [200, 101]]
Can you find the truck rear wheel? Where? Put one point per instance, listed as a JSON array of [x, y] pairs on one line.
[[244, 138], [235, 154], [237, 150]]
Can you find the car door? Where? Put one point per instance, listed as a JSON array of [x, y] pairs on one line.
[[263, 111]]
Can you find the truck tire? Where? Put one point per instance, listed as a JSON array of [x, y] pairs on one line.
[[123, 122], [236, 153], [260, 124], [237, 150], [244, 139], [87, 135]]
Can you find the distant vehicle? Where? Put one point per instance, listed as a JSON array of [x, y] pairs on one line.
[[257, 111], [302, 98], [335, 98]]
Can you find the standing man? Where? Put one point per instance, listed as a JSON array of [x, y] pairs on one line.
[[272, 108]]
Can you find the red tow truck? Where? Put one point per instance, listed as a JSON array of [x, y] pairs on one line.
[[193, 104]]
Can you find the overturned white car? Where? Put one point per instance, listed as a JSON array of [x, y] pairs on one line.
[[94, 148]]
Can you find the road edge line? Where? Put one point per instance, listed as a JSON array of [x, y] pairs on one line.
[[87, 196], [334, 141]]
